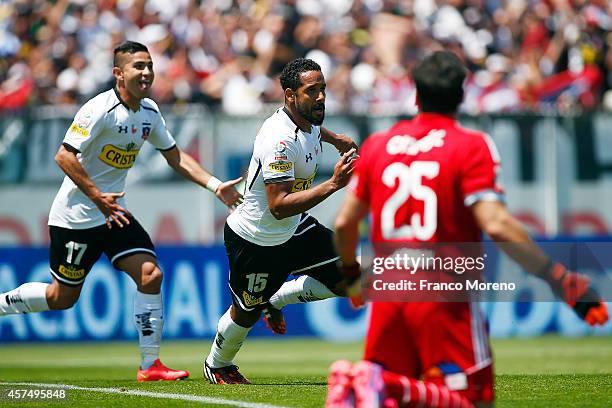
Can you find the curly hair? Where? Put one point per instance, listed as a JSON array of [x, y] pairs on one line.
[[290, 77]]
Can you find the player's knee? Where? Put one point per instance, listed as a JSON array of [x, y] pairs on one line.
[[151, 277], [244, 318], [62, 298]]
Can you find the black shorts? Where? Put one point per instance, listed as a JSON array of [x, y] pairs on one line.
[[257, 272], [73, 252]]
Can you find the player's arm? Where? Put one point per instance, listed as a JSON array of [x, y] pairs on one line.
[[106, 202], [496, 221], [340, 141], [283, 203], [353, 210], [189, 168]]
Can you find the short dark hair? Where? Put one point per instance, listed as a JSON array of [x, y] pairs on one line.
[[290, 77], [439, 82], [127, 47]]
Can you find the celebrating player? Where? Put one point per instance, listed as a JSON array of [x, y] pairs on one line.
[[88, 216], [269, 236], [448, 175]]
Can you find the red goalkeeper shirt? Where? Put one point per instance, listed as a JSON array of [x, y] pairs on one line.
[[421, 176]]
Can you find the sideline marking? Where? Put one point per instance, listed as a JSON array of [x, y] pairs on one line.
[[174, 396]]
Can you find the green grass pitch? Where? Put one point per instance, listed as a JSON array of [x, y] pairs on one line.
[[541, 372]]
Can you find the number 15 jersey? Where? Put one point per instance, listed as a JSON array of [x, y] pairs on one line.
[[420, 178]]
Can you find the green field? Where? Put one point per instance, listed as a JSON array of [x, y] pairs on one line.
[[542, 372]]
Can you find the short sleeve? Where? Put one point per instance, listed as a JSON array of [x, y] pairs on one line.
[[278, 160], [160, 136], [87, 124], [480, 169]]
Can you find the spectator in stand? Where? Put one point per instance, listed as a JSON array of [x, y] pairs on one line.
[[542, 54]]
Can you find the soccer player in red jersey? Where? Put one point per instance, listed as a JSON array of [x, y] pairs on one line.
[[429, 180]]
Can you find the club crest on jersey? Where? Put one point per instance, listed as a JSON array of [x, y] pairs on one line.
[[280, 166], [71, 272], [146, 130], [117, 157], [250, 300], [301, 184], [406, 144]]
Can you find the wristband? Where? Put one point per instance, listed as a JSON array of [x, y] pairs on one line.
[[213, 184]]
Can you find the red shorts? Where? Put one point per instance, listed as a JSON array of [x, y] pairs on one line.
[[422, 340]]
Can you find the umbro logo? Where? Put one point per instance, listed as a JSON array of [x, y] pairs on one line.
[[308, 157]]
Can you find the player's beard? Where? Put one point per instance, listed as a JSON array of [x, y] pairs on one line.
[[308, 114]]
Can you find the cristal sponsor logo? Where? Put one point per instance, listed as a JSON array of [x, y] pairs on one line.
[[78, 130], [117, 157], [280, 166], [71, 272], [406, 144], [250, 300], [301, 184]]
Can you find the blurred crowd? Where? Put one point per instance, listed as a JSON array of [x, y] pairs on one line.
[[523, 55]]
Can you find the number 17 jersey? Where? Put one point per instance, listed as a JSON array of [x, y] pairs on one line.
[[420, 178]]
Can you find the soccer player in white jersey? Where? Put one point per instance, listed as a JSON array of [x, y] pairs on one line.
[[88, 216], [270, 236]]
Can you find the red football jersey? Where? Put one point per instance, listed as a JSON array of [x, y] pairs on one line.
[[421, 176]]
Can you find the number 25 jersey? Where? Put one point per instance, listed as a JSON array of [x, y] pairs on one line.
[[420, 178]]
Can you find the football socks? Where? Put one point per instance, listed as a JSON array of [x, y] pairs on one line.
[[30, 297], [148, 317], [227, 343], [301, 290]]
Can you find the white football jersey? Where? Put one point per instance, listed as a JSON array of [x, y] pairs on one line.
[[108, 136], [281, 152]]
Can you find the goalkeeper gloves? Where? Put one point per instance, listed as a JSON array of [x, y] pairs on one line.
[[575, 290]]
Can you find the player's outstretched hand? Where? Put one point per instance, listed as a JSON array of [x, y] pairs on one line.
[[574, 288], [344, 143], [344, 168], [227, 193], [113, 212]]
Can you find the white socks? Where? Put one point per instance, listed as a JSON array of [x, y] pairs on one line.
[[30, 297], [148, 316], [227, 342], [300, 290]]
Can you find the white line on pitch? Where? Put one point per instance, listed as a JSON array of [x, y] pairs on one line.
[[164, 395]]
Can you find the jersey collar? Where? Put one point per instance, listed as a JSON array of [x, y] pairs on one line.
[[121, 101], [433, 118], [286, 111]]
